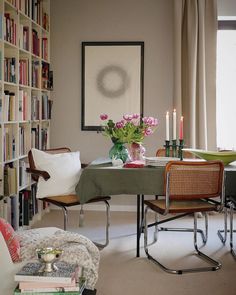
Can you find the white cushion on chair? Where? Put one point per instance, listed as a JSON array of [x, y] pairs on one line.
[[64, 170]]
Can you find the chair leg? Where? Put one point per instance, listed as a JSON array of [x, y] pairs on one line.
[[201, 232], [222, 234], [65, 213], [215, 264], [232, 230], [101, 246]]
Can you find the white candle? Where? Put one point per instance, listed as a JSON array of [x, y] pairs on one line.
[[167, 126], [174, 124]]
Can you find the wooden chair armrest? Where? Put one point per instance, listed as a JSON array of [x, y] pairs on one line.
[[36, 172]]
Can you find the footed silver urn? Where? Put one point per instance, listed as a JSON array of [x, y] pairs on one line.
[[48, 256]]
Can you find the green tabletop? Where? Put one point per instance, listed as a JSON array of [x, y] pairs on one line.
[[106, 180]]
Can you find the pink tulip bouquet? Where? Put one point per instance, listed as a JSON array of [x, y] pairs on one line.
[[130, 129]]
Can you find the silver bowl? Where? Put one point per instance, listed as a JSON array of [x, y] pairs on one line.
[[48, 256]]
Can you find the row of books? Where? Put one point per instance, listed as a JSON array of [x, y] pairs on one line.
[[35, 108], [34, 10], [28, 206], [24, 71], [10, 180], [46, 107], [35, 42], [23, 175], [9, 139], [24, 37], [10, 72], [35, 137], [19, 211], [22, 141], [45, 75], [35, 73], [9, 28], [64, 280], [44, 139], [9, 106], [23, 102], [24, 6], [10, 69], [45, 48], [24, 41]]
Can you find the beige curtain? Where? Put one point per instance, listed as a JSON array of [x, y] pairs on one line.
[[195, 70]]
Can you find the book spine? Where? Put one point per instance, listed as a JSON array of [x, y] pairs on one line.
[[28, 278]]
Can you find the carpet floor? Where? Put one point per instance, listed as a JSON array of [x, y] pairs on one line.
[[121, 272]]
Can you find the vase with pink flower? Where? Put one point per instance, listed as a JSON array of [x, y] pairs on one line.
[[130, 130]]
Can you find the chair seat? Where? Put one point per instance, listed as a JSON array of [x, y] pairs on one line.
[[181, 206], [71, 200]]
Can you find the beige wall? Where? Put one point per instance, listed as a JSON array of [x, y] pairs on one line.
[[74, 21]]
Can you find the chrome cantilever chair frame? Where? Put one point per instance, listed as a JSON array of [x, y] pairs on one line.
[[65, 201], [231, 206], [166, 208]]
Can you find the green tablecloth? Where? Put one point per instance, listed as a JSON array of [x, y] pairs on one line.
[[105, 180]]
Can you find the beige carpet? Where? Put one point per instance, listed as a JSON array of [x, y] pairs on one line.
[[122, 273]]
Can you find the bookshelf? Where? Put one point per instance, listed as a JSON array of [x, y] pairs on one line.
[[25, 103]]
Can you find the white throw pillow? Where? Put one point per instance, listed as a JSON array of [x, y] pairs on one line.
[[64, 170]]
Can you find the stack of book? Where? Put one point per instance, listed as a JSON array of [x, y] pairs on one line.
[[62, 281]]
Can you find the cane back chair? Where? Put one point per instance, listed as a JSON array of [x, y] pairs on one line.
[[190, 187], [65, 201], [186, 154]]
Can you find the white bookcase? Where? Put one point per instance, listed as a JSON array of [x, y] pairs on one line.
[[25, 102]]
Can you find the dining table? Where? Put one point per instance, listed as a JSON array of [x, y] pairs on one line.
[[100, 178]]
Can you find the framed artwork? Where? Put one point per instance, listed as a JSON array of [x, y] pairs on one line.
[[112, 81]]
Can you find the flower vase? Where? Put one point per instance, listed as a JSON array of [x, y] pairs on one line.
[[119, 151], [136, 151]]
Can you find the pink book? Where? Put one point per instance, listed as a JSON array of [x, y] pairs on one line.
[[36, 285]]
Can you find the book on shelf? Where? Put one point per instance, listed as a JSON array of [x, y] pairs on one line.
[[9, 28], [30, 272], [10, 69], [35, 42], [35, 73], [14, 212], [10, 180], [35, 137], [23, 101], [9, 106], [0, 25], [24, 37], [24, 71], [24, 6]]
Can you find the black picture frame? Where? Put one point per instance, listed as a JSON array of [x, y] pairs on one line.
[[112, 81]]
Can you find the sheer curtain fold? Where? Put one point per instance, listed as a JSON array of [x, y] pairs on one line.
[[195, 70]]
